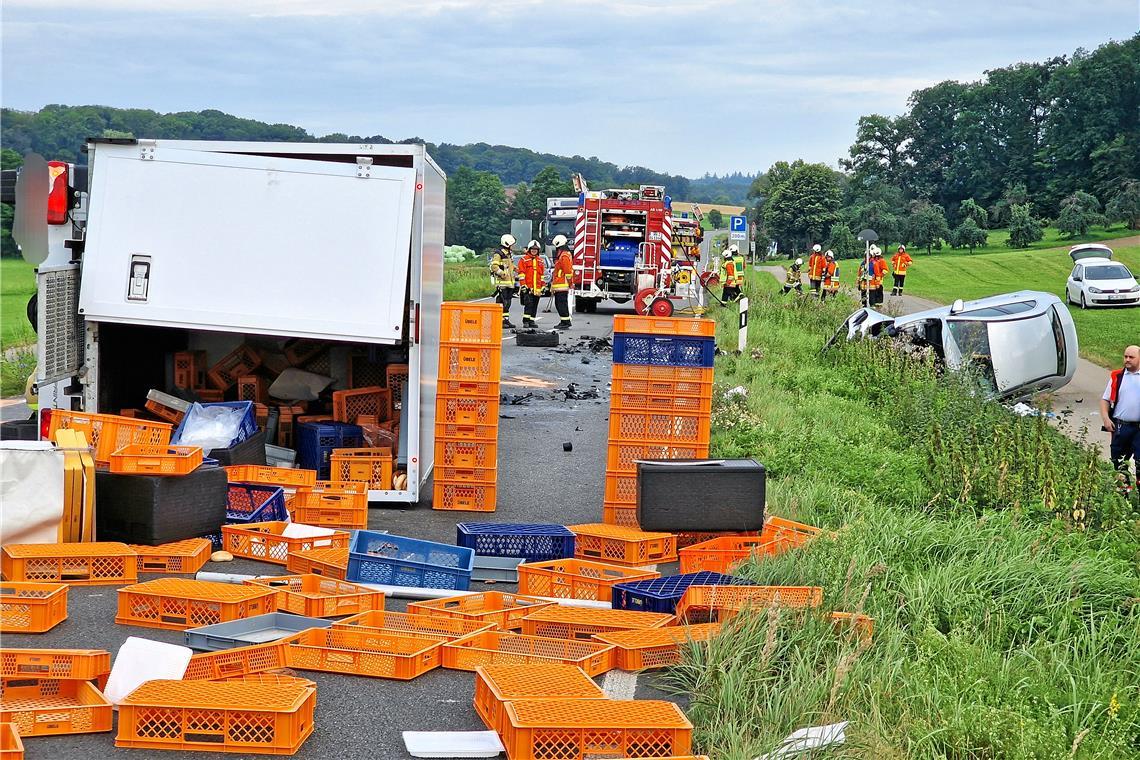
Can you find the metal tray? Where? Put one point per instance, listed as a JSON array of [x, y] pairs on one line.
[[258, 629]]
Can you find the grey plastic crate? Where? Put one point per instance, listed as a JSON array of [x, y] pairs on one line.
[[258, 629], [496, 569]]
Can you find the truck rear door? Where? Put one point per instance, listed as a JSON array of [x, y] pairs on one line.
[[251, 244]]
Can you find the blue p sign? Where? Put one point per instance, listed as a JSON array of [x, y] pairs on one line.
[[737, 224]]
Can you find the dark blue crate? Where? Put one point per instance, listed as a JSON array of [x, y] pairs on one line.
[[251, 502], [399, 561], [316, 441], [664, 350], [663, 594], [534, 543], [248, 427]]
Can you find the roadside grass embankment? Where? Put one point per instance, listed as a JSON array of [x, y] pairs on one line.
[[467, 280], [997, 558], [17, 339]]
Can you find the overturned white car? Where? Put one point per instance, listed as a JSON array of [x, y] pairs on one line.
[[1019, 343]]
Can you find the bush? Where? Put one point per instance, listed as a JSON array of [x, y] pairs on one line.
[[1024, 229]]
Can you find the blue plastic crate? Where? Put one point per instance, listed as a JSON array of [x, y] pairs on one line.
[[316, 441], [251, 502], [399, 561], [534, 543], [663, 594], [664, 350], [248, 427]]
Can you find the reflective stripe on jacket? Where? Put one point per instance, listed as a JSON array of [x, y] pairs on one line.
[[531, 270]]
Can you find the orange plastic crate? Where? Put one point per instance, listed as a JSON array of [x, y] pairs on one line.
[[142, 459], [687, 539], [219, 716], [622, 545], [789, 531], [332, 563], [496, 684], [395, 378], [458, 361], [559, 622], [81, 664], [11, 748], [364, 652], [32, 607], [453, 432], [300, 351], [862, 625], [109, 432], [629, 323], [48, 707], [718, 603], [576, 728], [462, 322], [638, 402], [463, 410], [319, 596], [620, 514], [263, 541], [622, 456], [468, 388], [251, 388], [332, 504], [241, 361], [462, 453], [162, 411], [663, 373], [348, 405], [577, 578], [448, 629], [236, 662], [190, 369], [621, 488], [504, 647], [106, 563], [655, 647], [271, 476], [663, 429], [688, 389], [499, 608], [272, 678], [177, 603], [464, 497], [720, 555], [180, 557], [372, 466], [477, 475]]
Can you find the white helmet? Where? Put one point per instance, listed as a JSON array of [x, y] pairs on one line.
[[507, 241], [875, 250], [533, 246], [817, 248], [559, 241], [830, 254], [799, 262], [733, 248]]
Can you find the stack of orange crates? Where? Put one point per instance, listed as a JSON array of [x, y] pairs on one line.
[[467, 407], [660, 401]]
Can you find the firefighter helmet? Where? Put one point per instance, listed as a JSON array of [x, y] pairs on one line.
[[817, 248], [559, 241], [507, 241], [830, 254], [902, 248], [533, 246], [733, 248], [799, 262]]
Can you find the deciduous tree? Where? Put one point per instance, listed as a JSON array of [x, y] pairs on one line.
[[1024, 228]]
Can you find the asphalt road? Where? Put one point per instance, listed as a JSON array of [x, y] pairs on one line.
[[360, 717]]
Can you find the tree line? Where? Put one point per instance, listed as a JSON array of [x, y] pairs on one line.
[[1055, 142]]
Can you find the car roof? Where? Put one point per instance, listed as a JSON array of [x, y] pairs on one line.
[[1043, 300]]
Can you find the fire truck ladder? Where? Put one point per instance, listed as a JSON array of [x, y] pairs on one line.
[[592, 242]]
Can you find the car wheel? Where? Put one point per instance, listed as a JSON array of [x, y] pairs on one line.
[[1084, 304]]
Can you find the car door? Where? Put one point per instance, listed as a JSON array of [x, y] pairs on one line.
[[1073, 286]]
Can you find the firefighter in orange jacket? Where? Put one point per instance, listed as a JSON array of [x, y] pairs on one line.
[[815, 265], [733, 275], [561, 279], [830, 277], [900, 262], [531, 271], [878, 274]]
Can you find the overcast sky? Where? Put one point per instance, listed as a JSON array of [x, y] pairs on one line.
[[684, 86]]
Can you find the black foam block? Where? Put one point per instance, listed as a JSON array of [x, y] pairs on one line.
[[153, 509], [700, 495]]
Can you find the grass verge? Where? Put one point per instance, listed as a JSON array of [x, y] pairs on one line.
[[997, 558], [466, 281], [17, 360]]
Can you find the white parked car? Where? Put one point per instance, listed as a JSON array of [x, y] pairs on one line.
[[1097, 280]]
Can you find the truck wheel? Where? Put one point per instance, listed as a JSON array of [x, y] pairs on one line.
[[536, 339], [33, 309]]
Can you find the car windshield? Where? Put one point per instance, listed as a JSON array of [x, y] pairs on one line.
[[1107, 272]]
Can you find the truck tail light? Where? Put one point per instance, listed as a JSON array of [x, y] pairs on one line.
[[45, 424], [57, 192]]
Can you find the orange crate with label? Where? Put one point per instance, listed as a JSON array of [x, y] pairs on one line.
[[622, 456], [578, 728], [630, 323], [176, 603], [105, 563], [81, 664], [264, 541], [461, 410], [668, 429], [465, 453], [141, 459], [332, 504], [468, 388], [655, 647], [464, 497], [497, 684], [499, 608], [577, 578], [190, 369], [318, 596], [225, 373], [219, 716], [48, 707], [663, 373], [559, 622], [180, 557], [365, 652], [459, 361], [372, 466], [504, 647], [448, 629], [480, 324], [109, 432], [11, 748], [623, 546], [331, 563], [374, 401], [236, 662], [718, 603], [32, 607]]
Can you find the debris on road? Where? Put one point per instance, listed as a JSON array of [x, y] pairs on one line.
[[572, 393]]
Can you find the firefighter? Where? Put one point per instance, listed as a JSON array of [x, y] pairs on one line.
[[738, 258], [900, 262], [531, 271], [503, 276], [815, 268], [732, 277], [792, 278], [561, 279], [878, 275], [830, 285]]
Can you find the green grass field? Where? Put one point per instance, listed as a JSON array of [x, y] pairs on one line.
[[466, 281], [17, 284], [1054, 238]]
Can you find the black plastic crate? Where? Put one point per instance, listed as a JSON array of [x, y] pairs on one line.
[[155, 509]]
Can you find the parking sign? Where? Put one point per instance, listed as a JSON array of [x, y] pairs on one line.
[[737, 224]]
